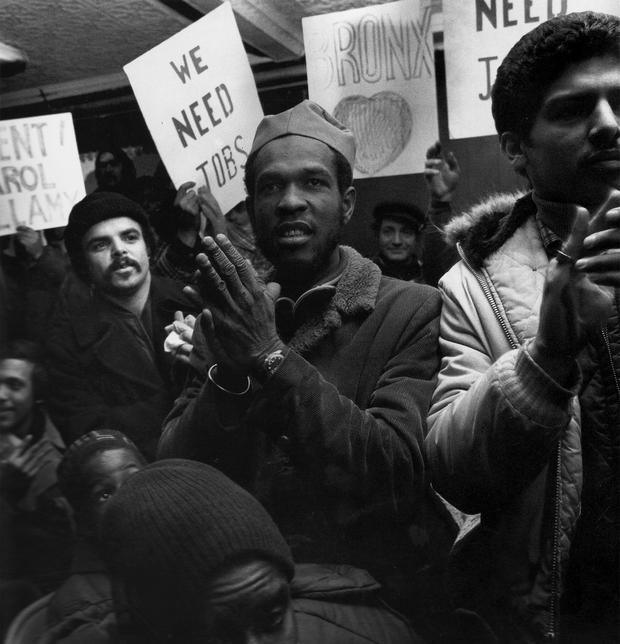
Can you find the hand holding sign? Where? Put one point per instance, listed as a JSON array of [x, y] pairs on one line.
[[197, 93]]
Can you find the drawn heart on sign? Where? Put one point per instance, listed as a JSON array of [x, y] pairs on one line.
[[382, 127]]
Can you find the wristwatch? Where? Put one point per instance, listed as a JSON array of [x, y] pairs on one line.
[[271, 362]]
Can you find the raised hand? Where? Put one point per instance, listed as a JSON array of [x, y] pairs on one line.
[[442, 174], [239, 321], [31, 240], [211, 211], [576, 296]]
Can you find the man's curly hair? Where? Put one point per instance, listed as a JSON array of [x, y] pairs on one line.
[[540, 57]]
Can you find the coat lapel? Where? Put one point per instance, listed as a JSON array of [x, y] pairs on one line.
[[356, 293]]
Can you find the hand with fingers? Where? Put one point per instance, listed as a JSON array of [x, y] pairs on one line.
[[578, 293], [239, 321], [211, 211], [187, 200], [442, 174], [180, 336], [22, 466], [31, 240]]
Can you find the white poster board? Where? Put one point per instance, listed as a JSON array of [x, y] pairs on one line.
[[40, 172], [477, 36], [373, 69], [198, 97]]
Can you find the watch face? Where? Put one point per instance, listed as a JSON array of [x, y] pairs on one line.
[[273, 361]]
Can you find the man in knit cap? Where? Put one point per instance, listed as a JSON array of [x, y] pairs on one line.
[[312, 390], [195, 558], [105, 345]]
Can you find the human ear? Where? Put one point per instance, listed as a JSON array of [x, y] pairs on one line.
[[513, 147], [348, 204]]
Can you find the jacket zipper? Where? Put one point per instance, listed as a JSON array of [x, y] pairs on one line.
[[611, 358], [550, 635], [490, 299]]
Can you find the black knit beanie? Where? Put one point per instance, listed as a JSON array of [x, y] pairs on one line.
[[93, 209], [70, 469], [177, 522]]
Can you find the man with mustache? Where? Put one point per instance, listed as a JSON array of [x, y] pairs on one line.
[[106, 355], [524, 423], [312, 390]]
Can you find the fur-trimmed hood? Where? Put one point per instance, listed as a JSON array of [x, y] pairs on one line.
[[485, 227]]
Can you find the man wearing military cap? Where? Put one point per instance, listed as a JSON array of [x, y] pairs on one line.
[[312, 389]]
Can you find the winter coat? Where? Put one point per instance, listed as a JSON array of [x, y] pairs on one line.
[[505, 439], [331, 444], [332, 605], [100, 375]]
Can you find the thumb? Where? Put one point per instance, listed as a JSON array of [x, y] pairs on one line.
[[273, 290], [453, 164], [574, 243]]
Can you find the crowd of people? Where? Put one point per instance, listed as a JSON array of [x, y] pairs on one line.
[[234, 428]]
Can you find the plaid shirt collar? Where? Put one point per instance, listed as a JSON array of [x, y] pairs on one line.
[[547, 212]]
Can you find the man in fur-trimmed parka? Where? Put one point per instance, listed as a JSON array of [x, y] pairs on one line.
[[312, 391], [525, 422]]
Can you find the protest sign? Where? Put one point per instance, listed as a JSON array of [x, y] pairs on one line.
[[477, 36], [198, 97], [40, 172], [373, 69]]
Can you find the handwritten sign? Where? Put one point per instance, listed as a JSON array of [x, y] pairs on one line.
[[477, 36], [40, 172], [198, 97], [373, 69]]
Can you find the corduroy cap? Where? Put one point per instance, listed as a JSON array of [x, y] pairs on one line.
[[307, 119], [176, 522], [93, 209]]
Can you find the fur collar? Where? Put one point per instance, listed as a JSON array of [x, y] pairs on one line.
[[484, 228], [356, 294]]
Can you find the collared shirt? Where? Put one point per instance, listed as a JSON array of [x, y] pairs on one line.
[[547, 212]]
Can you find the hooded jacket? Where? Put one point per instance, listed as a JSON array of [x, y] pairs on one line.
[[504, 438]]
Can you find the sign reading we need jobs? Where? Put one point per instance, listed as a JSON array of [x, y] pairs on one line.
[[198, 97], [373, 69], [40, 172], [477, 36]]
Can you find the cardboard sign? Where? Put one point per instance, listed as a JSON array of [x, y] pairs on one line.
[[477, 36], [198, 97], [40, 172], [373, 69]]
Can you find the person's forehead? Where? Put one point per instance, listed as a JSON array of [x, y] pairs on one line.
[[108, 157], [295, 150], [250, 581], [397, 220], [16, 368], [112, 226], [589, 75], [109, 460]]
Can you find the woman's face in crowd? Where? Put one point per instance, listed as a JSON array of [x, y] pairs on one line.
[[104, 473]]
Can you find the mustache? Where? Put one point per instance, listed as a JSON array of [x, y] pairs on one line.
[[123, 262]]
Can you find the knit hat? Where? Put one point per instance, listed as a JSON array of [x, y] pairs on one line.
[[307, 119], [93, 209], [177, 522], [70, 469]]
